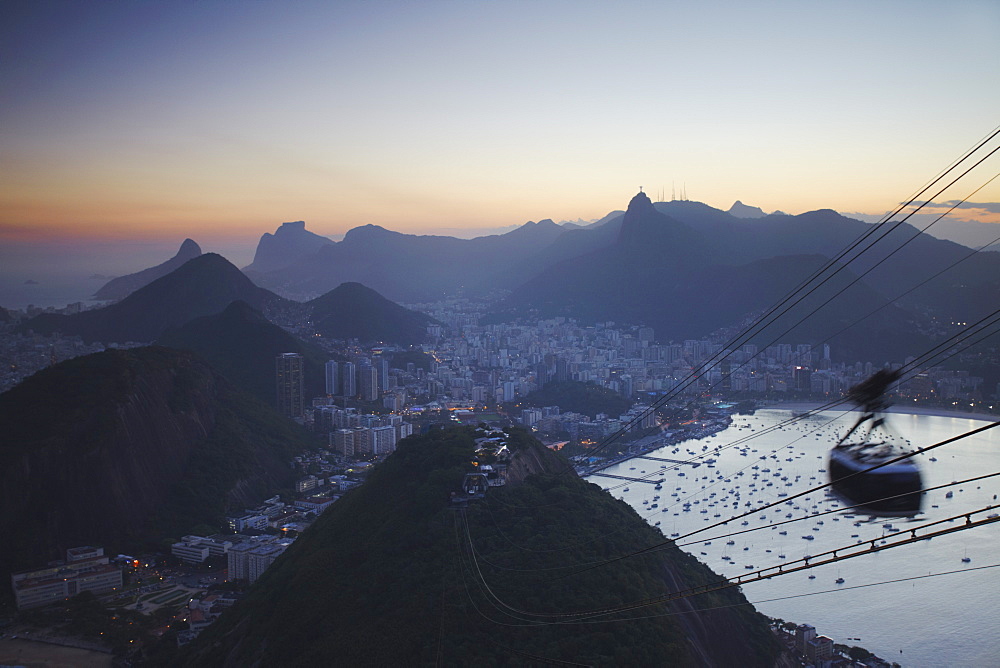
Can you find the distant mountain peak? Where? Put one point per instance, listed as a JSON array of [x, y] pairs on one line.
[[741, 210], [639, 204], [123, 286], [188, 249], [201, 286], [531, 227], [642, 219], [367, 231], [289, 244]]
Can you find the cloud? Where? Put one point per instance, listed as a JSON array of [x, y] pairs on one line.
[[972, 212], [992, 207]]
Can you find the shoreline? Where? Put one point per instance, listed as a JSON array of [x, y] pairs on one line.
[[931, 411]]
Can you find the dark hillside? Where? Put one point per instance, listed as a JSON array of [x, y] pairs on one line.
[[388, 576], [242, 344], [127, 446], [123, 286], [573, 395], [202, 286], [353, 311]]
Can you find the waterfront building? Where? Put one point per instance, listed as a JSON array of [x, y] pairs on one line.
[[85, 569]]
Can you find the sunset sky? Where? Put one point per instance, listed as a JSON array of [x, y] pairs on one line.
[[220, 120]]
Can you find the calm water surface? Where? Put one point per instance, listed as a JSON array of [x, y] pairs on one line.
[[951, 620]]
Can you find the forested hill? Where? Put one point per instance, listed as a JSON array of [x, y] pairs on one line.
[[578, 397], [241, 343], [389, 576], [125, 447]]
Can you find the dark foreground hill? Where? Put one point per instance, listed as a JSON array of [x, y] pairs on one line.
[[392, 575], [127, 446], [353, 311], [242, 344], [202, 286], [123, 286]]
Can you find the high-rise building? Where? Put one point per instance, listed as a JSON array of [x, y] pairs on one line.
[[382, 367], [290, 385], [342, 441], [383, 439], [348, 380], [368, 383], [332, 378], [508, 390], [362, 441]]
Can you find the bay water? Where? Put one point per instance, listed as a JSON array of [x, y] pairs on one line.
[[942, 620]]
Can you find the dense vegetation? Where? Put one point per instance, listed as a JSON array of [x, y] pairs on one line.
[[419, 359], [573, 395], [386, 577], [242, 344]]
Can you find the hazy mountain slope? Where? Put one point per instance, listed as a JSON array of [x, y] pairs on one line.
[[353, 311], [123, 286], [407, 267], [574, 243], [202, 286], [386, 577], [968, 233], [123, 446], [698, 269], [241, 344], [289, 244], [741, 210], [686, 283]]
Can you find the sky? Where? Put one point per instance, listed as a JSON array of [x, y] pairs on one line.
[[149, 122]]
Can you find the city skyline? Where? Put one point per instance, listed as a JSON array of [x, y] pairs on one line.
[[218, 121]]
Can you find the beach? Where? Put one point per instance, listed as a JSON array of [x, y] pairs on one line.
[[933, 411], [18, 652]]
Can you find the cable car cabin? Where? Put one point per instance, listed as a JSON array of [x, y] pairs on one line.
[[895, 489], [878, 477], [474, 486]]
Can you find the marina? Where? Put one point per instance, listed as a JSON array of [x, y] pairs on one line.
[[664, 459], [840, 599], [623, 477]]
